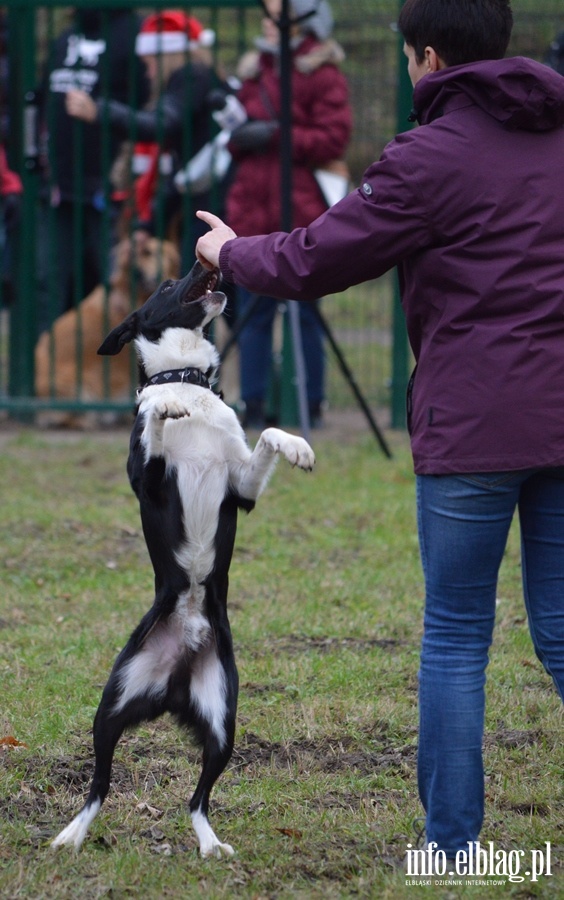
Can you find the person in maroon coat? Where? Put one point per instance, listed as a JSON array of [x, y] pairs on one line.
[[321, 127], [470, 207]]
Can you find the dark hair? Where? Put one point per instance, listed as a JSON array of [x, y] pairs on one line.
[[460, 31]]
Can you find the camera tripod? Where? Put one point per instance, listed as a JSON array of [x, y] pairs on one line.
[[346, 371], [284, 24]]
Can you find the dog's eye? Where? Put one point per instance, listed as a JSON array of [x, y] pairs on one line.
[[167, 286]]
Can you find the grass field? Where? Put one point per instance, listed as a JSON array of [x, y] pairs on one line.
[[325, 601]]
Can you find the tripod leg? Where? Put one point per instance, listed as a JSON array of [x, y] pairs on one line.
[[297, 349], [299, 367], [354, 386], [240, 324]]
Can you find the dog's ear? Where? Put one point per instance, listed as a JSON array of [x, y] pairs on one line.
[[119, 336]]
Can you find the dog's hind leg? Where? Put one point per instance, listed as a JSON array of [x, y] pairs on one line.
[[135, 693], [214, 762], [217, 750], [107, 732], [210, 712]]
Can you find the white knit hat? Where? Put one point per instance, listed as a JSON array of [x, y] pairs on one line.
[[320, 23], [171, 31]]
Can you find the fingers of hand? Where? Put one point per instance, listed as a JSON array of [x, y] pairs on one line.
[[210, 219]]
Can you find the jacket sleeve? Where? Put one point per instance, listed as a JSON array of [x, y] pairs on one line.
[[141, 125], [370, 231], [185, 95]]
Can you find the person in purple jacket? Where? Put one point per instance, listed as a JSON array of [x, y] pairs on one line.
[[470, 207]]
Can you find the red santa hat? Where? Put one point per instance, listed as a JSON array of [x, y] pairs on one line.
[[171, 31]]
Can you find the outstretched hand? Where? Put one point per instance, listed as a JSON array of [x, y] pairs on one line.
[[210, 244], [81, 105]]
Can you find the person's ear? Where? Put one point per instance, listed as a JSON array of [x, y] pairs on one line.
[[433, 61]]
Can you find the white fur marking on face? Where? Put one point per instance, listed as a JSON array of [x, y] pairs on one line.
[[208, 690], [75, 832], [209, 843]]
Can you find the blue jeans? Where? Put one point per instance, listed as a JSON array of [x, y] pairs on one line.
[[255, 345], [463, 526]]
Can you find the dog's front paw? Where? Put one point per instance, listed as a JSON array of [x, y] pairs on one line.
[[296, 450], [171, 409]]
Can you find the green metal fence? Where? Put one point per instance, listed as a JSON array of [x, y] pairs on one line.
[[365, 320]]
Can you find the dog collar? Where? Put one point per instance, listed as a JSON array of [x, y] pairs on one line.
[[188, 375]]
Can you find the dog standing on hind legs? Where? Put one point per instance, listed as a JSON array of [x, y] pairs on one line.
[[192, 470]]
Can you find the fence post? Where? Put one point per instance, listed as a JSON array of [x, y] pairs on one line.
[[400, 348], [23, 114]]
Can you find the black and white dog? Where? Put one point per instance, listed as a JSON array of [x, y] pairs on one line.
[[191, 468]]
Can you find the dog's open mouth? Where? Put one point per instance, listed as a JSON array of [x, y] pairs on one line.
[[204, 288]]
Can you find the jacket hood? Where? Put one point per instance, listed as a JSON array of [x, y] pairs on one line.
[[518, 92], [308, 56]]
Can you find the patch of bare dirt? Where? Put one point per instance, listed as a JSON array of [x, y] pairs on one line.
[[328, 755], [511, 738], [299, 643]]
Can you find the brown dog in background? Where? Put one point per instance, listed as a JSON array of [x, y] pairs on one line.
[[66, 362]]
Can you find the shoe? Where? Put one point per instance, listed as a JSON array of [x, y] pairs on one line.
[[418, 826]]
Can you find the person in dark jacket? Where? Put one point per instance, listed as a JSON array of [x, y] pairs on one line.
[[175, 49], [320, 132], [95, 54], [470, 207]]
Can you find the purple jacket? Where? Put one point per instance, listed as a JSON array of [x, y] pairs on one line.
[[470, 207]]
